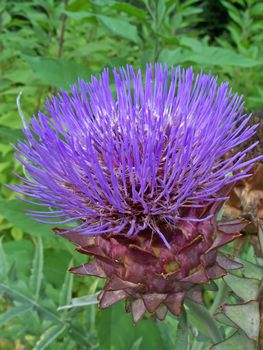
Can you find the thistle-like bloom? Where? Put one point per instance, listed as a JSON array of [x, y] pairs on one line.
[[139, 165]]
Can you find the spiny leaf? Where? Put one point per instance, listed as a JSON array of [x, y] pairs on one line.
[[245, 316], [37, 269], [49, 336]]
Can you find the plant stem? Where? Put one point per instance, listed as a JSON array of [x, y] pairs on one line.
[[62, 31], [64, 18]]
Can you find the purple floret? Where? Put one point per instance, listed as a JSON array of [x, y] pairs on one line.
[[123, 155]]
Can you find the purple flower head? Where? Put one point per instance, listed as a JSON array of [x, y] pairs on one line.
[[123, 159]]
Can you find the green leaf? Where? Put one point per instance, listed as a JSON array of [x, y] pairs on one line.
[[220, 317], [174, 56], [207, 55], [20, 297], [216, 56], [11, 120], [3, 261], [120, 27], [246, 288], [260, 235], [129, 9], [233, 12], [116, 331], [66, 290], [203, 321], [91, 48], [56, 72], [237, 341], [54, 268], [250, 270], [80, 15], [37, 269], [16, 233], [81, 302], [9, 135], [168, 329], [20, 255], [13, 312], [137, 344], [245, 316], [49, 336], [182, 335], [14, 212]]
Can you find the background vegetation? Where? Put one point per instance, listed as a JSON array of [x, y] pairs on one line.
[[48, 44]]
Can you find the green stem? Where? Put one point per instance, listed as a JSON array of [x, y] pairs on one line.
[[220, 297], [62, 31]]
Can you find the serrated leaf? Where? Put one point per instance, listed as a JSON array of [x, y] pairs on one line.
[[246, 288], [49, 336], [238, 341], [37, 269], [66, 290], [13, 312], [81, 302], [203, 321], [245, 316]]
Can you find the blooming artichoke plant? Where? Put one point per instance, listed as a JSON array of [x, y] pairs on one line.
[[138, 165]]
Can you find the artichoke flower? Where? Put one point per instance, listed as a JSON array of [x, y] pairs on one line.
[[137, 166]]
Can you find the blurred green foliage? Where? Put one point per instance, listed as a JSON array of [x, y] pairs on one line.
[[46, 45]]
